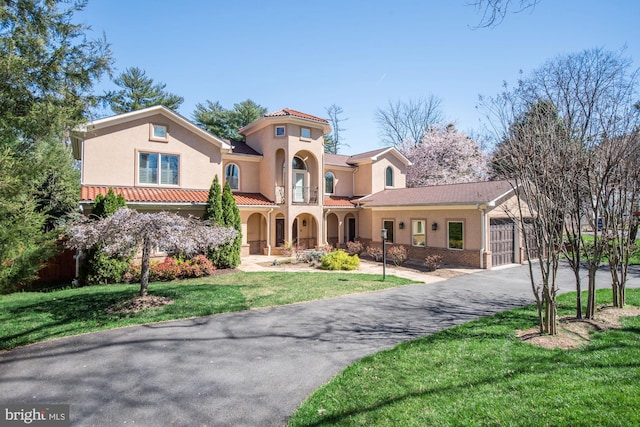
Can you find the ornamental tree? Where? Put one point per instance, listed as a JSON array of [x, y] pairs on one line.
[[128, 230]]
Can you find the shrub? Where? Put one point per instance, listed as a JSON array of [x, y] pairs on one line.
[[433, 262], [99, 268], [354, 248], [312, 257], [375, 253], [171, 268], [340, 260], [398, 254]]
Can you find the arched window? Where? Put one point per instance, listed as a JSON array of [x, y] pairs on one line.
[[389, 177], [298, 163], [328, 183], [232, 176]]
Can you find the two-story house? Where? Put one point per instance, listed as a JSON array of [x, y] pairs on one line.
[[288, 190]]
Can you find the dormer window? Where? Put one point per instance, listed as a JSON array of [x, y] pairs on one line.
[[158, 133], [280, 131], [389, 177], [305, 133]]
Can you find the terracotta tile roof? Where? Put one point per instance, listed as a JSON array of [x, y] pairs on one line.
[[338, 202], [451, 194], [289, 112], [169, 195]]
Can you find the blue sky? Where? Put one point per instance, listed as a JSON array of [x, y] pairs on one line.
[[307, 55]]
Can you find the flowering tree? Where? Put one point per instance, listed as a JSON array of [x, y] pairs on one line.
[[443, 156], [128, 230]]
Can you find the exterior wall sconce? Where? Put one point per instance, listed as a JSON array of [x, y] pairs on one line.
[[401, 225], [304, 222], [434, 226]]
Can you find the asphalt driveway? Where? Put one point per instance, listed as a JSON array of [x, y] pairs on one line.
[[243, 369]]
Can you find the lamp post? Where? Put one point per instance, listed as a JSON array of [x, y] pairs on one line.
[[383, 234]]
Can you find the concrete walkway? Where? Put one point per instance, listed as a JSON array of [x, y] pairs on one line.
[[243, 369]]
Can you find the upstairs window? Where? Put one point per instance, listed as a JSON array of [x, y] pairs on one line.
[[158, 169], [298, 164], [329, 181], [232, 176], [280, 131], [158, 133], [305, 133], [389, 177]]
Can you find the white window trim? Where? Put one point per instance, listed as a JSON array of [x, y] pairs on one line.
[[284, 131], [424, 233], [225, 175], [305, 138], [153, 137], [393, 177], [333, 175], [159, 174]]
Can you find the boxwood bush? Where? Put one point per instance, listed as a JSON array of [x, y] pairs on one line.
[[340, 260]]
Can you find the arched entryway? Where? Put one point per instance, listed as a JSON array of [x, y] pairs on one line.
[[333, 227], [305, 231], [256, 233]]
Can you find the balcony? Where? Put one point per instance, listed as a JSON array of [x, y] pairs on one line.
[[300, 195]]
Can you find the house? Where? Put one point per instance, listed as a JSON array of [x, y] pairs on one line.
[[289, 191]]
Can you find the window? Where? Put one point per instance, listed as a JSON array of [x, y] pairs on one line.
[[388, 225], [231, 176], [328, 183], [155, 168], [456, 234], [158, 133], [305, 133], [298, 163], [389, 177], [417, 232], [280, 131]]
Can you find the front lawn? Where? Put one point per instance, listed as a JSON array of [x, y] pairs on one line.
[[480, 374], [30, 317]]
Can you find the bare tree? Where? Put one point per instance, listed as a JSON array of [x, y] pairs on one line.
[[444, 156], [494, 11], [335, 140], [128, 231], [592, 94], [407, 122]]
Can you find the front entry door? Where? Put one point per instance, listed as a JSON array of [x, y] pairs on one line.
[[279, 232], [351, 229]]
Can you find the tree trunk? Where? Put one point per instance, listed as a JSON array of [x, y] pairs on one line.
[[576, 272], [144, 268], [591, 297]]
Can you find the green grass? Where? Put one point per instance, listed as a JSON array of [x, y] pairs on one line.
[[30, 317], [479, 374], [634, 259]]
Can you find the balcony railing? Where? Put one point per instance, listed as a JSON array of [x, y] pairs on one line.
[[299, 195]]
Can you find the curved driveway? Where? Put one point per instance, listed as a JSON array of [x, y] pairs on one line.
[[243, 369]]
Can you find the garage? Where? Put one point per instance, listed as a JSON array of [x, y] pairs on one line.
[[502, 241]]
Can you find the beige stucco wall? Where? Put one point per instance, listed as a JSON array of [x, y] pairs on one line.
[[342, 182], [111, 155], [471, 219], [249, 176]]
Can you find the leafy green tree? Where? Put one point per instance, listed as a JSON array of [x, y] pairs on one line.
[[139, 91], [47, 70], [24, 247], [213, 211], [231, 218], [224, 123], [104, 206]]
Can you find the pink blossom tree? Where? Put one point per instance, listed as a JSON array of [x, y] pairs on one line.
[[444, 156], [128, 230]]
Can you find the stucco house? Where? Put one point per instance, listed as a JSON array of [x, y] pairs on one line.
[[288, 190]]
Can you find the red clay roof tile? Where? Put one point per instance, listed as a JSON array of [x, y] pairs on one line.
[[168, 195], [294, 113]]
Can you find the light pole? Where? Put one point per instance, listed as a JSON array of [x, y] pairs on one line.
[[383, 234]]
